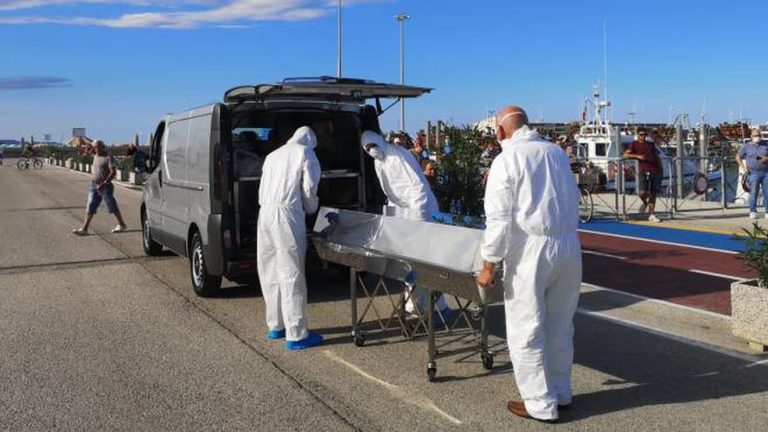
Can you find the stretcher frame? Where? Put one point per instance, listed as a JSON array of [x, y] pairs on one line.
[[460, 285]]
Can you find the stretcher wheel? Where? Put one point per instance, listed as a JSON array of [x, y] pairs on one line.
[[487, 360], [431, 373], [359, 339]]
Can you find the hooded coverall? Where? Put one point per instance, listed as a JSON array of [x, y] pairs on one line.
[[531, 208], [407, 190], [287, 192]]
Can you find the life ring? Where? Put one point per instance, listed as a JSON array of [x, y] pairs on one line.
[[700, 183]]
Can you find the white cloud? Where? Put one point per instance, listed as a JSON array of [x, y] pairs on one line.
[[30, 4], [171, 13]]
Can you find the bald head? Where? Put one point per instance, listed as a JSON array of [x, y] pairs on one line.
[[509, 120]]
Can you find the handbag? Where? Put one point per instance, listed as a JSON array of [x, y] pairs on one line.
[[745, 182]]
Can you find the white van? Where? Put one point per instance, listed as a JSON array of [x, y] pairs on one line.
[[201, 197]]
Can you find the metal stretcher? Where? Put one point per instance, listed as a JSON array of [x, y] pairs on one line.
[[435, 257]]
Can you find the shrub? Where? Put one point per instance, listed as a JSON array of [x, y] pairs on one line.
[[756, 254], [461, 190]]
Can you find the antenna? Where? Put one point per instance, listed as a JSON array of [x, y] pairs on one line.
[[605, 68]]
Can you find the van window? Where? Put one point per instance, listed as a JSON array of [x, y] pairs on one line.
[[256, 134], [176, 150], [155, 149], [198, 153]]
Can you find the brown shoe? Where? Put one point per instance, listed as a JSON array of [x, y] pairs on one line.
[[518, 408]]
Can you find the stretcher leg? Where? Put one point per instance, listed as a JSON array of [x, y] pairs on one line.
[[432, 365], [357, 336], [485, 355]]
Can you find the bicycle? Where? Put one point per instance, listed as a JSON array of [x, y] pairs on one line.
[[23, 164], [586, 205], [586, 182]]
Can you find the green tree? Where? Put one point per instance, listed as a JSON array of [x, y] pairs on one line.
[[461, 190]]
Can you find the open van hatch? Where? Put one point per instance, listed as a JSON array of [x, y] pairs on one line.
[[329, 88]]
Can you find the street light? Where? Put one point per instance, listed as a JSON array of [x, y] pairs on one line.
[[401, 18], [338, 55]]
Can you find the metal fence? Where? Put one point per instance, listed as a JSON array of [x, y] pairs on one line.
[[689, 184]]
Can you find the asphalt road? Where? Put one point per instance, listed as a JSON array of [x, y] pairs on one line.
[[95, 336]]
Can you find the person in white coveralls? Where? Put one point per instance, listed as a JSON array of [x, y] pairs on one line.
[[408, 192], [531, 209], [287, 192]]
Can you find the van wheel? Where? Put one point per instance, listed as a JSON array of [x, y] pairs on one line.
[[205, 285], [151, 247]]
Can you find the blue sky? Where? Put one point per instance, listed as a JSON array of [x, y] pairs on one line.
[[116, 66]]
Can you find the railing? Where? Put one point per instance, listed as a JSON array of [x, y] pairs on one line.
[[718, 187]]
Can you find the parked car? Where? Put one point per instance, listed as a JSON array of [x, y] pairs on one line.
[[201, 196]]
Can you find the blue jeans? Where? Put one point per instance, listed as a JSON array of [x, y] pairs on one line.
[[758, 180], [107, 194]]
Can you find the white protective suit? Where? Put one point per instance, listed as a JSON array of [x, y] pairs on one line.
[[407, 190], [531, 208], [288, 190], [401, 179]]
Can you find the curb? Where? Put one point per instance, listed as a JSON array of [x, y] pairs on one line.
[[126, 185]]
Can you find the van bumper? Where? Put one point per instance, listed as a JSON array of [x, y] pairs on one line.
[[241, 271]]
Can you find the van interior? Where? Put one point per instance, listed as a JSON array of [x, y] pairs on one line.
[[256, 133]]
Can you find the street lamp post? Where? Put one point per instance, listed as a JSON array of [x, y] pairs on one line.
[[401, 18], [338, 47]]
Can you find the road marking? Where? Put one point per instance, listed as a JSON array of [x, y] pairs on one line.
[[720, 275], [659, 301], [660, 242], [669, 224], [757, 363], [417, 400], [678, 338], [602, 254]]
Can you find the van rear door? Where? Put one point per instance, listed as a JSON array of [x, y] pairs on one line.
[[332, 89]]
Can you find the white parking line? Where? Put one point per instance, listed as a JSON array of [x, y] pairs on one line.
[[417, 400], [602, 254], [720, 275], [752, 360], [663, 302]]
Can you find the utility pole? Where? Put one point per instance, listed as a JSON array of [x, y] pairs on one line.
[[401, 18], [338, 47]]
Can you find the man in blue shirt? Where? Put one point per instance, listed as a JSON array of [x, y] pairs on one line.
[[753, 158]]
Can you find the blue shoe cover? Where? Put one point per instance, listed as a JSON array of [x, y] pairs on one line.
[[312, 339], [276, 334], [447, 315]]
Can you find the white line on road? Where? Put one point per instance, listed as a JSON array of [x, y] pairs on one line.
[[757, 363], [720, 275], [602, 254], [663, 302], [678, 338], [417, 400], [660, 242]]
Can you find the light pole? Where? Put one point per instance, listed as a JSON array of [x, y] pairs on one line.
[[338, 47], [401, 18]]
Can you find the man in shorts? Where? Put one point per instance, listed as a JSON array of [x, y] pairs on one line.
[[102, 172], [650, 171]]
